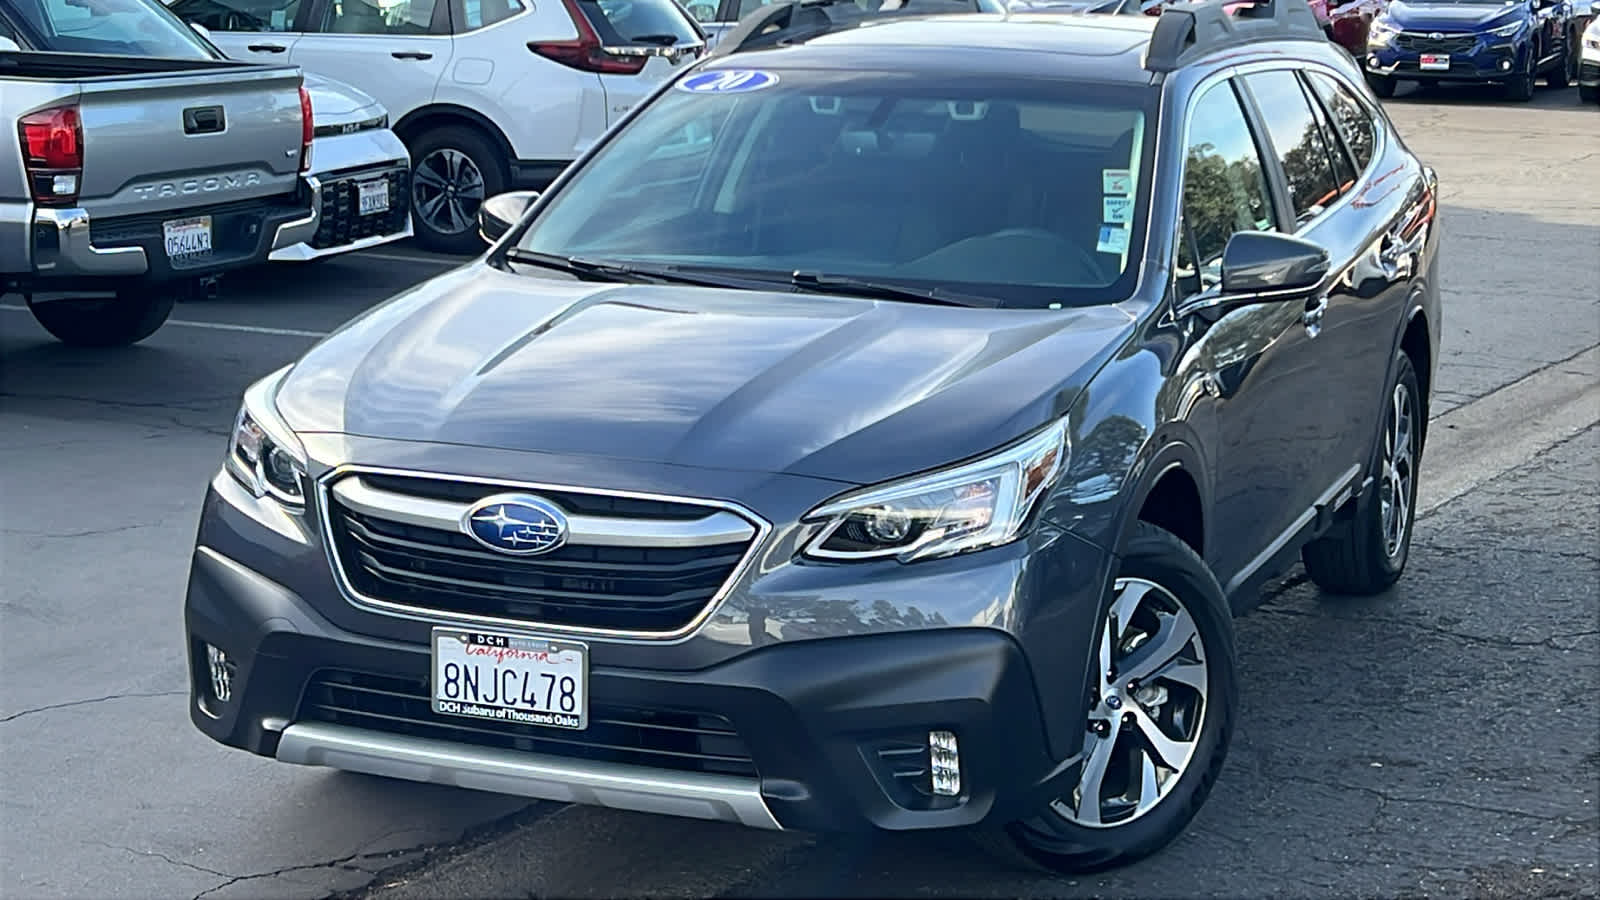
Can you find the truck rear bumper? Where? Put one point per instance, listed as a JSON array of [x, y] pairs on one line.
[[67, 246]]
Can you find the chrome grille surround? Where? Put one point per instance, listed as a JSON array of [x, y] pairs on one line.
[[589, 531]]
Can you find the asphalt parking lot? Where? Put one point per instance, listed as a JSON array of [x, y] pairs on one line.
[[1438, 740]]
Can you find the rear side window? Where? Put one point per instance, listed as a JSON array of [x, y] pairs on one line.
[[407, 17], [1349, 116], [239, 15], [623, 22], [1224, 187], [471, 15], [1298, 141], [112, 27]]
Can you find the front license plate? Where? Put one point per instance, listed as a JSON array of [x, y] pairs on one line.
[[511, 678], [1433, 62], [373, 197], [187, 237]]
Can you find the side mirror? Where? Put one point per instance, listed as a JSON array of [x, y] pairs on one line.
[[1267, 265], [201, 30], [7, 45], [500, 212]]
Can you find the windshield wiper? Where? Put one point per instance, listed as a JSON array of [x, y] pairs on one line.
[[859, 287], [602, 270]]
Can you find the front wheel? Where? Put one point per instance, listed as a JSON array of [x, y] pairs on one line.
[[1565, 74], [1588, 93], [1367, 553], [1161, 714], [1382, 85], [128, 318]]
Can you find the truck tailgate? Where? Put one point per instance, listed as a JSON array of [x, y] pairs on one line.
[[169, 141]]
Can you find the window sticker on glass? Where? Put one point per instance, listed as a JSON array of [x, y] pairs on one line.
[[1113, 239], [279, 19], [1116, 181], [1118, 210], [474, 11], [728, 81]]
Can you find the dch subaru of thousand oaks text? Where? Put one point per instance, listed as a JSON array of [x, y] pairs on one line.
[[805, 458]]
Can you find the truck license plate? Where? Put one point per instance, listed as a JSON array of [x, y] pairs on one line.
[[373, 197], [186, 238], [1435, 62], [511, 678]]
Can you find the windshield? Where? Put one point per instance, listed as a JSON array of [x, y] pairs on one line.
[[112, 27], [1024, 192]]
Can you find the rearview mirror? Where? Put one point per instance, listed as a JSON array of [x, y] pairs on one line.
[[500, 212], [1268, 265]]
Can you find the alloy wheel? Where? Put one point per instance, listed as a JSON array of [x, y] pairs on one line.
[[1146, 715], [447, 189], [1399, 470]]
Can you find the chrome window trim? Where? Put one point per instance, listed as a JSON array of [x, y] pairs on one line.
[[760, 527]]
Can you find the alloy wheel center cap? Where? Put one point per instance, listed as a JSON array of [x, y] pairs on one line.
[[1113, 702]]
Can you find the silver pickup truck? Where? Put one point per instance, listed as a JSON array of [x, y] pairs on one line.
[[140, 166]]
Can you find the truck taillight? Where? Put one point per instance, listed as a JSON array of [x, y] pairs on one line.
[[587, 54], [307, 129], [52, 153]]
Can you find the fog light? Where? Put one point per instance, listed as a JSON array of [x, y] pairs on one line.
[[1505, 65], [1372, 61], [221, 674], [946, 759]]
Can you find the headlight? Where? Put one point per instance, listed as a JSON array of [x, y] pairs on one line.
[[1506, 30], [263, 454], [971, 506], [1593, 43], [1380, 31]]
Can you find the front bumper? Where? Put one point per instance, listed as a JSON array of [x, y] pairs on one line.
[[340, 163], [1483, 62], [68, 245], [818, 735], [1589, 73]]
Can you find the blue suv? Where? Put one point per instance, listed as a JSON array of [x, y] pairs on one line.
[[1473, 41]]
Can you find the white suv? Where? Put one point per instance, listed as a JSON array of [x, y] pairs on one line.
[[488, 95]]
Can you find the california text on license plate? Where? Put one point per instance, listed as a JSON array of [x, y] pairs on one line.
[[511, 678], [1432, 62], [187, 237], [373, 197]]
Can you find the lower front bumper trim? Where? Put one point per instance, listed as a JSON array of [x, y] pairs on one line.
[[722, 798]]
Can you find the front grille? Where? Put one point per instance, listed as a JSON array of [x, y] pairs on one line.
[[1413, 42], [342, 222], [683, 740], [637, 589]]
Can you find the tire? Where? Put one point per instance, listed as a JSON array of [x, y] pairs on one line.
[[1366, 553], [1170, 575], [1588, 93], [1382, 85], [130, 317], [1520, 88], [1565, 74], [460, 158]]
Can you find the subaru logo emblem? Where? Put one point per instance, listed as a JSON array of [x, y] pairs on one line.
[[516, 524], [1437, 35]]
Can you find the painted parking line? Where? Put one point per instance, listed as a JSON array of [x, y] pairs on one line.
[[214, 326]]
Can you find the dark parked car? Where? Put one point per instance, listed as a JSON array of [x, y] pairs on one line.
[[856, 437], [1509, 42]]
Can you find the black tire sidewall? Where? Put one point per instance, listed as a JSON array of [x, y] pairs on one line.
[[1157, 556], [491, 164], [133, 315]]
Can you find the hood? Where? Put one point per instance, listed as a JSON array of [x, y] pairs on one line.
[[838, 388], [336, 103], [1452, 16]]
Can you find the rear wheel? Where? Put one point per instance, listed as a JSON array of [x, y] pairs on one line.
[[1588, 93], [1566, 73], [129, 317], [1382, 85], [456, 168], [1367, 553], [1161, 714]]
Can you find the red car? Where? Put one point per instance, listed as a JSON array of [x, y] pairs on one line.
[[1345, 21]]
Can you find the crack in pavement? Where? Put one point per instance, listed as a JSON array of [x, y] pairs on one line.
[[163, 857], [342, 862], [1384, 799], [75, 534], [70, 703], [1518, 643]]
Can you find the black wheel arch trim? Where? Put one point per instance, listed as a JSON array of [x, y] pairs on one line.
[[423, 119]]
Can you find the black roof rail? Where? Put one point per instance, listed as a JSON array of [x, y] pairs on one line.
[[798, 21], [1193, 29]]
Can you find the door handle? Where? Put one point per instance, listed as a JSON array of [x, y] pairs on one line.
[[266, 48], [411, 54], [1312, 317]]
